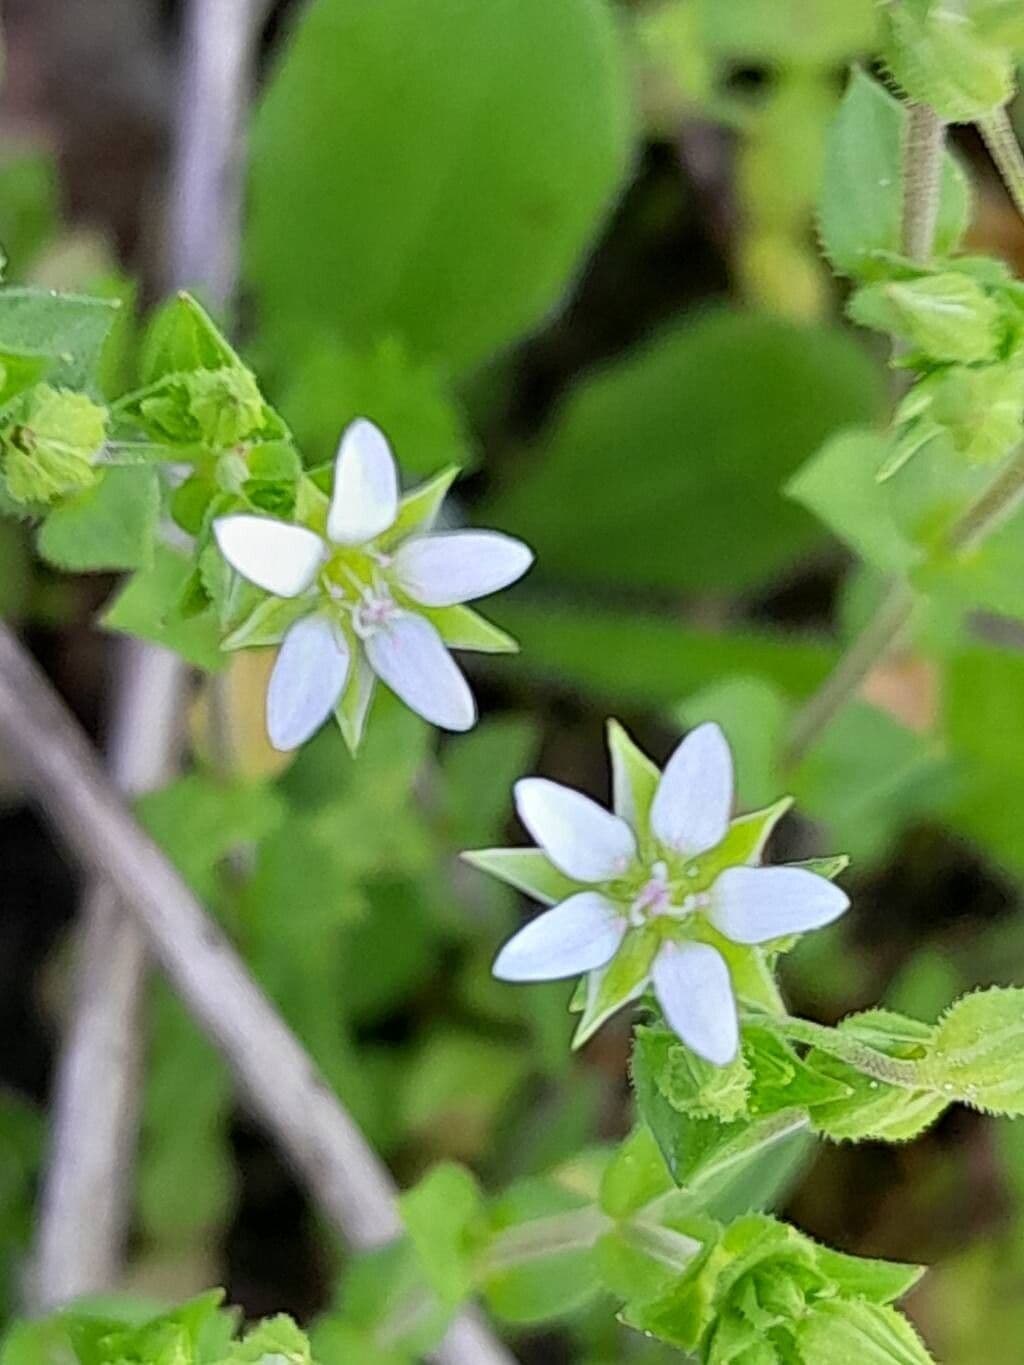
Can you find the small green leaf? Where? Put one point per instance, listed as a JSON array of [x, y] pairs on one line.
[[977, 1056], [861, 204], [855, 1332], [110, 526], [635, 1176], [148, 607], [68, 327], [440, 1214], [941, 59]]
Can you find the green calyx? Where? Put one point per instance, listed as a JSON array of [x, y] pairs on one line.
[[53, 445]]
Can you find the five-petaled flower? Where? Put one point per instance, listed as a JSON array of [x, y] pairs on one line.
[[667, 892], [371, 593]]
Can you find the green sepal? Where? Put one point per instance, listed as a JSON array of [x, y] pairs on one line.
[[418, 510], [939, 58], [461, 627], [856, 1332], [621, 981], [268, 623], [744, 843], [353, 710], [528, 870], [635, 779], [830, 866], [947, 317]]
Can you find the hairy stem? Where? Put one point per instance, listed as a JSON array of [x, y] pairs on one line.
[[922, 180], [1001, 141], [867, 1060]]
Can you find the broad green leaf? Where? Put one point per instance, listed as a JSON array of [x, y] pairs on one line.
[[584, 648], [702, 425], [483, 146], [69, 327], [111, 525], [840, 485], [862, 197]]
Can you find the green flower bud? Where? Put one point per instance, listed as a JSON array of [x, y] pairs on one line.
[[51, 449], [980, 410], [941, 56], [226, 405], [949, 318]]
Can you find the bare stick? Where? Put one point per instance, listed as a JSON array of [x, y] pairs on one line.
[[87, 1184], [345, 1177]]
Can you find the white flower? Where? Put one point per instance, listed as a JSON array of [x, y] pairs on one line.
[[664, 893], [376, 595]]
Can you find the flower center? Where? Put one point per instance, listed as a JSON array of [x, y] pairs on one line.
[[659, 895], [376, 607]]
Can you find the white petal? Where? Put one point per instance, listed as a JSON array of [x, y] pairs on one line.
[[755, 904], [693, 988], [582, 933], [581, 838], [409, 655], [458, 566], [693, 803], [364, 501], [281, 558], [308, 678]]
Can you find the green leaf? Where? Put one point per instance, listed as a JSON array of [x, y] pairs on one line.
[[840, 485], [583, 647], [440, 1214], [977, 1053], [861, 203], [948, 317], [147, 608], [69, 327], [111, 525], [854, 1332], [181, 338], [635, 1176], [941, 59], [691, 1085], [544, 1265], [804, 33], [521, 105], [527, 869], [723, 409]]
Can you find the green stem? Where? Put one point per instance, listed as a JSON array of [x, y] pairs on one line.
[[1004, 149], [922, 180], [868, 1060]]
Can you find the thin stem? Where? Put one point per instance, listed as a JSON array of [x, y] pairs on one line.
[[868, 1060], [998, 133], [879, 636], [922, 180], [285, 1090]]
